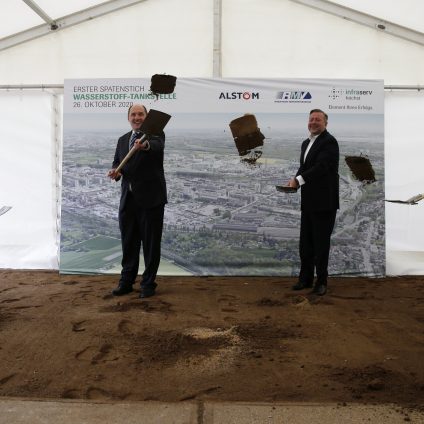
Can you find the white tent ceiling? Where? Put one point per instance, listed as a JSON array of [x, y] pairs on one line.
[[214, 28], [21, 15], [409, 13]]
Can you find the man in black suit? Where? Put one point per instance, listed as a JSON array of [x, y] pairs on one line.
[[318, 179], [142, 204]]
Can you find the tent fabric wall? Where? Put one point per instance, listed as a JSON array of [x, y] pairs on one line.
[[28, 180], [404, 152]]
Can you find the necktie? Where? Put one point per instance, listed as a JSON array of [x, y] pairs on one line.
[[134, 137], [308, 147]]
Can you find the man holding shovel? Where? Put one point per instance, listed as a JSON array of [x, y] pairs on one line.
[[142, 204]]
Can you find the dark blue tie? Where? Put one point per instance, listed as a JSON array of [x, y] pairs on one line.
[[134, 137]]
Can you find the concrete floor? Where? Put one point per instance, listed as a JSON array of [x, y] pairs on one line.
[[20, 411]]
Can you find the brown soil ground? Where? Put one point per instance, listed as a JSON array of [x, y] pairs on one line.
[[226, 339]]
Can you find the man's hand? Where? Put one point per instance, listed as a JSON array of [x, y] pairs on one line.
[[145, 145], [293, 183], [113, 175]]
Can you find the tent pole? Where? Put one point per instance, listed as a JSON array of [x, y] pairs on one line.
[[57, 156], [31, 86], [218, 75], [217, 38]]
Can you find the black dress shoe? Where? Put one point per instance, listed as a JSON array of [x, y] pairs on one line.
[[146, 293], [301, 285], [122, 289], [320, 289]]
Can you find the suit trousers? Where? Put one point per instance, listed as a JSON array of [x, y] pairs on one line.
[[140, 227], [314, 245]]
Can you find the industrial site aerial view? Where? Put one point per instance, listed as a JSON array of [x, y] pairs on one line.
[[224, 216]]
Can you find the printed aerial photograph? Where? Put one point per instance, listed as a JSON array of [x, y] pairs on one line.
[[224, 215]]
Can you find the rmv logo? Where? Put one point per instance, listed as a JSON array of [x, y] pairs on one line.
[[294, 95]]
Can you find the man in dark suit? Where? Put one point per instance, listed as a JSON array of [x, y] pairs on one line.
[[318, 179], [142, 204]]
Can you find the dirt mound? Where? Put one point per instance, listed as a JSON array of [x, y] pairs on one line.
[[228, 339]]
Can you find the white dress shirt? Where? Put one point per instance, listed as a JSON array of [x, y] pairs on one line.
[[312, 138]]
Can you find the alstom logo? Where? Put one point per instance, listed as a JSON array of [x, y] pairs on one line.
[[294, 96], [239, 95]]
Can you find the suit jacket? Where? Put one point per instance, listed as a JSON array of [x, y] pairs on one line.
[[144, 171], [320, 172]]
